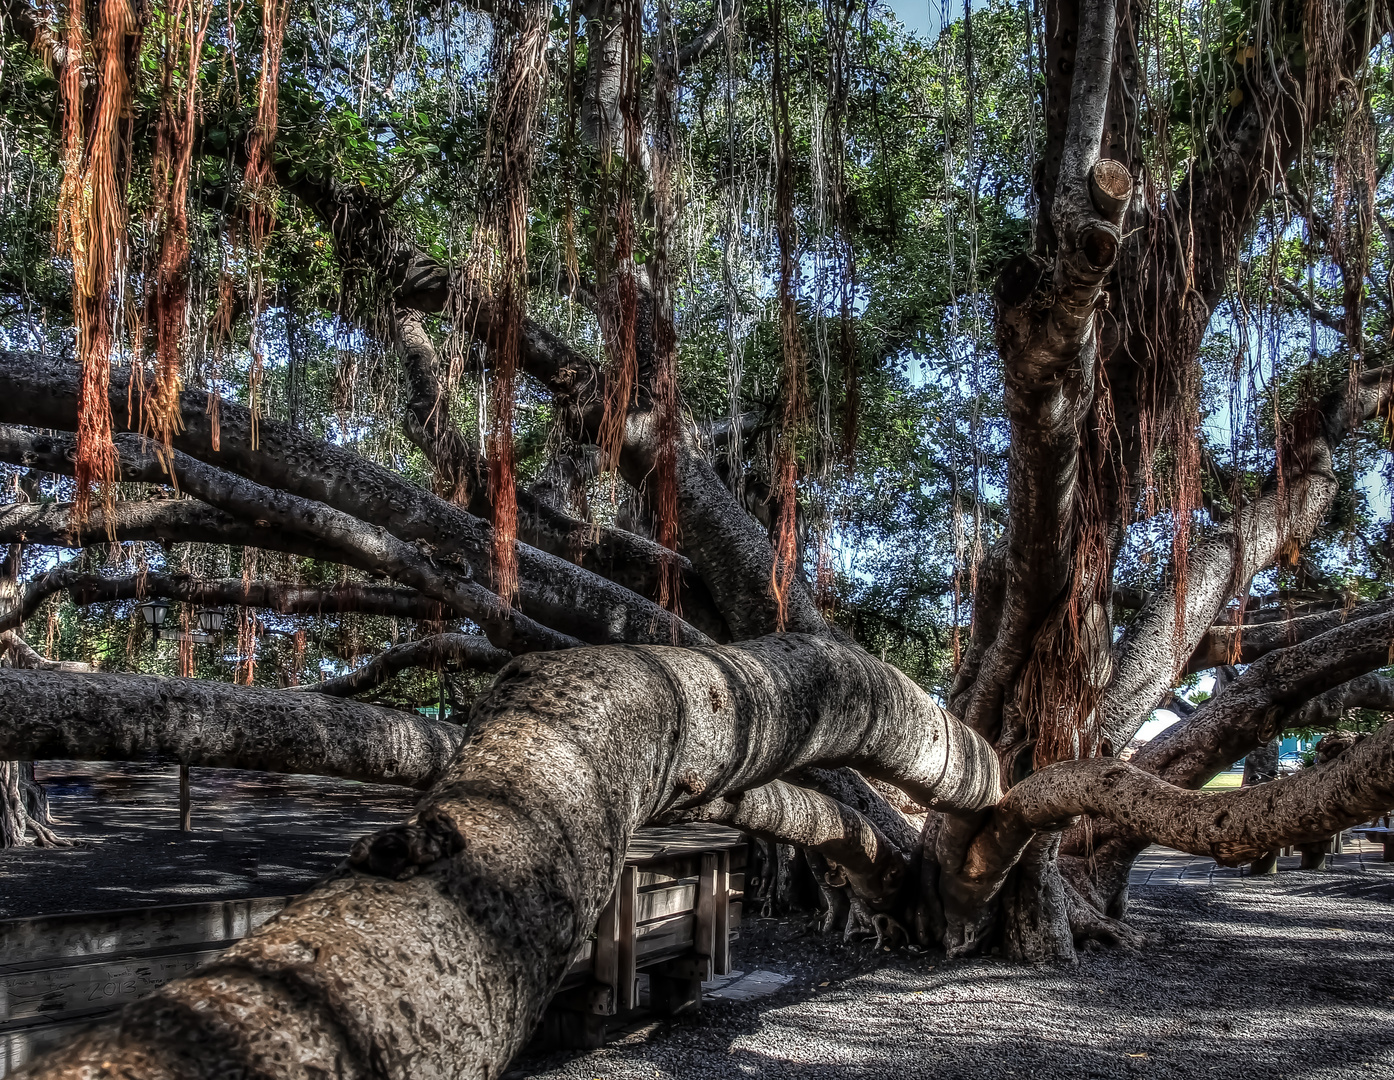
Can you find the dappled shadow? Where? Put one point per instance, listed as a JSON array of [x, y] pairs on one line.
[[255, 834], [1280, 977]]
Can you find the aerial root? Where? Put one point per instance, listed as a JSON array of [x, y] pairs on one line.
[[1092, 929]]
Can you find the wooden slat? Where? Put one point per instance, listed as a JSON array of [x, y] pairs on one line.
[[31, 942], [721, 917], [627, 961], [605, 967], [668, 842], [662, 901], [704, 934], [583, 962], [665, 937], [19, 1047], [56, 992]]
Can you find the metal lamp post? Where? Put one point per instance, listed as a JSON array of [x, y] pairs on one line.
[[154, 612]]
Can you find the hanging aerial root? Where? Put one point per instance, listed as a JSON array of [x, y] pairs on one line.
[[665, 501], [1070, 662], [518, 59], [615, 267], [92, 231], [260, 174], [794, 376], [184, 29]]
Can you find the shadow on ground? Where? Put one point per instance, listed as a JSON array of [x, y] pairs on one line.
[[255, 834], [1289, 976]]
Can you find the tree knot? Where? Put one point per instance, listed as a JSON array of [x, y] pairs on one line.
[[401, 851]]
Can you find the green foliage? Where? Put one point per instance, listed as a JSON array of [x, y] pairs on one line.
[[934, 144]]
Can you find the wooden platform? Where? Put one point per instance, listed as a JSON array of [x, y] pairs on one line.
[[1379, 834], [672, 918]]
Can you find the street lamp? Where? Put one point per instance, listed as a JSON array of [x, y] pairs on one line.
[[154, 612], [210, 620]]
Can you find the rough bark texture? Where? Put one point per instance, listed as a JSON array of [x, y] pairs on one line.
[[108, 717], [496, 883], [1230, 826], [785, 813]]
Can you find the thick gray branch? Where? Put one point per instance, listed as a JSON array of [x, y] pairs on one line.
[[787, 814], [282, 597], [437, 954], [109, 717], [554, 592]]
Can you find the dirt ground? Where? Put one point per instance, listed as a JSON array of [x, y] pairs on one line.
[[1290, 976]]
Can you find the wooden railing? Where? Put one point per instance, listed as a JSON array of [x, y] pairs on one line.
[[670, 921]]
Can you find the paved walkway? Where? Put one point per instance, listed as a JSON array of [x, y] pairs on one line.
[[1163, 866], [255, 834]]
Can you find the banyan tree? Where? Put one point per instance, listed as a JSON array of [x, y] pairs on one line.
[[679, 378]]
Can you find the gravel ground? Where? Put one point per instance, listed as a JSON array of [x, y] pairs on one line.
[[1289, 976]]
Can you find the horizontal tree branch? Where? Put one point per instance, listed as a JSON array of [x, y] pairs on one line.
[[1230, 826], [284, 598], [439, 651], [162, 521], [787, 814], [21, 654], [1258, 639], [851, 789], [338, 535], [1371, 691], [41, 392], [472, 912], [1251, 709], [111, 717]]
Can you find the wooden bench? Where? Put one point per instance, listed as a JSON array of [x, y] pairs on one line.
[[671, 918], [1379, 835], [60, 974]]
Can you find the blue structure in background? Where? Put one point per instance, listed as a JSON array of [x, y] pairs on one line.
[[1292, 744]]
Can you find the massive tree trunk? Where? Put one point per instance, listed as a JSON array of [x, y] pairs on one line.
[[433, 952], [501, 873]]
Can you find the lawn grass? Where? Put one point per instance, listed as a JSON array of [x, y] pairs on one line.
[[1224, 782]]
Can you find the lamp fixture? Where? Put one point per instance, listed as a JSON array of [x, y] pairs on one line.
[[154, 612]]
